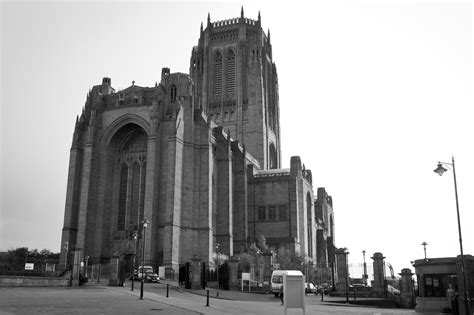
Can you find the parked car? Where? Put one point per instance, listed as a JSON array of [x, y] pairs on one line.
[[277, 279], [393, 291], [150, 275], [324, 288], [310, 288]]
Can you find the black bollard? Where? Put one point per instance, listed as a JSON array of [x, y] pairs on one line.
[[207, 302], [167, 290], [347, 296], [322, 295], [355, 294]]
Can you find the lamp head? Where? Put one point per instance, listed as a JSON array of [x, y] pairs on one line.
[[424, 244], [440, 169]]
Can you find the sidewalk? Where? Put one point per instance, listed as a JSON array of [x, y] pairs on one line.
[[237, 302]]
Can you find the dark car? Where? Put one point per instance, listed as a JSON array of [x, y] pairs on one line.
[[152, 277], [324, 288]]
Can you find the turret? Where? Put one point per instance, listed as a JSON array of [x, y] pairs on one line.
[[106, 86], [165, 72], [295, 165]]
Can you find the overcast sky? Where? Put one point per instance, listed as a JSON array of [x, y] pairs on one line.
[[372, 95]]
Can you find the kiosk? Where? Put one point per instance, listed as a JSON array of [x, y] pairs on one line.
[[293, 290]]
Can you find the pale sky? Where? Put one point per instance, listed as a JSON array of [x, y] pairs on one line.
[[372, 95]]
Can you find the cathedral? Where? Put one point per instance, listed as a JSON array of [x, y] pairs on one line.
[[198, 156]]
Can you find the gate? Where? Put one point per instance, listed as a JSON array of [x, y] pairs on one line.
[[204, 270], [224, 276], [184, 275]]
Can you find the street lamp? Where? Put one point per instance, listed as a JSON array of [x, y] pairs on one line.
[[365, 269], [66, 247], [135, 237], [440, 170], [424, 248], [217, 267], [87, 263], [144, 223], [347, 274]]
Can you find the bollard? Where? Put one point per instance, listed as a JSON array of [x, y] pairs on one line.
[[207, 301], [347, 296], [322, 295], [167, 290], [355, 294]]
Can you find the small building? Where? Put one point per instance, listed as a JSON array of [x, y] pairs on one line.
[[435, 276]]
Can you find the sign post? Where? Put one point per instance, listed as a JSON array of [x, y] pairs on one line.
[[29, 266]]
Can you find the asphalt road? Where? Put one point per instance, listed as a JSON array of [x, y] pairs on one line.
[[92, 299]]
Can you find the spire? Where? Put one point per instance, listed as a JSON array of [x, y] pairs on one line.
[[268, 35], [259, 22], [208, 19], [242, 12], [201, 27]]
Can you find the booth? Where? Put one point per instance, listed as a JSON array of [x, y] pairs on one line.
[[293, 290]]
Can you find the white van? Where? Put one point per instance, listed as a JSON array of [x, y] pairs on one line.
[[277, 279]]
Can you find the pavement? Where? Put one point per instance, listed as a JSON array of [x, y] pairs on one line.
[[97, 299]]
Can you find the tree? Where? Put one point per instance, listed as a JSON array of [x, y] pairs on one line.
[[252, 256], [289, 261], [13, 261]]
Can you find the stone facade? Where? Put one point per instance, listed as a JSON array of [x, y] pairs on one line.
[[196, 155]]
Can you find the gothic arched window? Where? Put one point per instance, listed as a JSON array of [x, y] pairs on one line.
[[122, 198], [218, 74], [273, 160], [174, 92], [132, 173], [230, 72], [310, 221]]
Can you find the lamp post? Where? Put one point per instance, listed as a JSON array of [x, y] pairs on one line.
[[365, 269], [424, 248], [217, 267], [87, 263], [347, 274], [66, 247], [440, 170], [135, 237], [144, 223]]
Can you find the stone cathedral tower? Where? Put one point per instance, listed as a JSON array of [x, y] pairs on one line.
[[237, 85]]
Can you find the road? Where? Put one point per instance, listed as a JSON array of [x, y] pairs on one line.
[[93, 299]]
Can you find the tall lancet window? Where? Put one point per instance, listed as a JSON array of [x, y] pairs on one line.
[[218, 74], [174, 92], [230, 72], [132, 170], [309, 219]]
